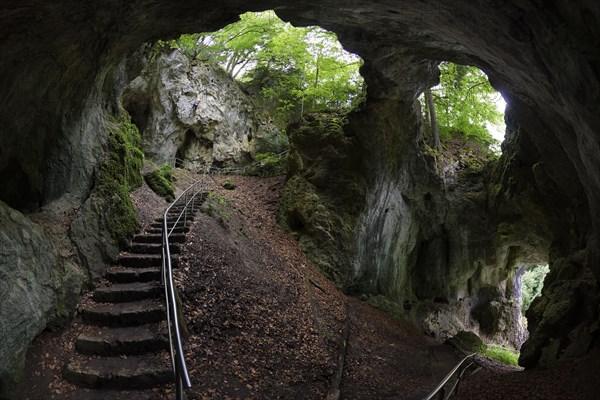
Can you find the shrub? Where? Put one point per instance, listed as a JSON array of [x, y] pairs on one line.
[[229, 185]]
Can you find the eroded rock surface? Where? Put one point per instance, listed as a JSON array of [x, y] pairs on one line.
[[194, 112], [37, 289]]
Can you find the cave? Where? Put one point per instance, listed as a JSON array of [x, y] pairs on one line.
[[63, 73]]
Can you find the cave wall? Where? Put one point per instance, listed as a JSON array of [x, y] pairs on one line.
[[58, 77], [447, 245], [39, 288]]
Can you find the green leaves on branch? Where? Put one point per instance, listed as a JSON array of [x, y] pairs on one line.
[[465, 103], [532, 284], [295, 69]]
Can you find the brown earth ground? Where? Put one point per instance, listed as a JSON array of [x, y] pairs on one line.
[[264, 324]]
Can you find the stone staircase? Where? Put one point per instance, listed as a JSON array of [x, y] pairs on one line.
[[124, 340]]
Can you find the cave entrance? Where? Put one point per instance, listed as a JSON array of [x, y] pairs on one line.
[[532, 282], [294, 69], [239, 88], [463, 112]]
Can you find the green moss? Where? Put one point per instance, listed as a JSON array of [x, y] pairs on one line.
[[118, 175], [502, 355], [269, 164], [161, 181], [469, 341]]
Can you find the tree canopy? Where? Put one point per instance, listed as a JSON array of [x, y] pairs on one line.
[[465, 103], [297, 69]]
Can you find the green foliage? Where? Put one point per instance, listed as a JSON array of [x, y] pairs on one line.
[[120, 174], [269, 141], [161, 181], [296, 69], [469, 341], [465, 103], [269, 164], [216, 206], [229, 185], [502, 355], [532, 283]]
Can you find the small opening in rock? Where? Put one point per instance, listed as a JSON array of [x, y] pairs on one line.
[[466, 113], [441, 300], [532, 283], [294, 222]]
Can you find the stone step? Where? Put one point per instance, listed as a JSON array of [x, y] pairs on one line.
[[159, 224], [178, 210], [152, 248], [177, 230], [124, 314], [116, 372], [172, 221], [144, 260], [174, 238], [126, 292], [126, 275], [130, 340]]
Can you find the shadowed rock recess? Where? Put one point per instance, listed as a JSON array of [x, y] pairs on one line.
[[402, 231]]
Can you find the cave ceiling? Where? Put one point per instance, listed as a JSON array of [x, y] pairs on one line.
[[543, 56]]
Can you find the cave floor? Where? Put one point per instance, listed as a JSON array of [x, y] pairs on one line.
[[263, 323]]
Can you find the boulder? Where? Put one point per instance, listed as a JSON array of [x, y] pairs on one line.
[[196, 113], [37, 289]]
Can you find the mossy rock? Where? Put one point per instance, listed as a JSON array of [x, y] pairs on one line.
[[325, 193], [269, 164], [470, 341], [119, 175], [161, 181]]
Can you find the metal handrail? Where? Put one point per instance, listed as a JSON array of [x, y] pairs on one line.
[[187, 198], [233, 170], [439, 389], [180, 371]]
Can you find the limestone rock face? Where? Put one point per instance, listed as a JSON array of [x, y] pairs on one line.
[[193, 112], [37, 289], [90, 238], [372, 210]]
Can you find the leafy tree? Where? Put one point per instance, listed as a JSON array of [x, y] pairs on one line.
[[298, 69], [465, 103], [532, 284]]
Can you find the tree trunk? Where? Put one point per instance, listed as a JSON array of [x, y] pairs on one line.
[[434, 127]]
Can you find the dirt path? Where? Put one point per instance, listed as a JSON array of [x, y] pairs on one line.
[[266, 325]]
